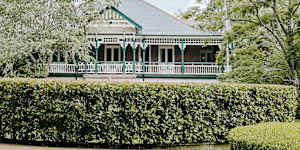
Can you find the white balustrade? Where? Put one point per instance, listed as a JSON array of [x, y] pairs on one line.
[[117, 68], [162, 69], [110, 68], [203, 69], [61, 68]]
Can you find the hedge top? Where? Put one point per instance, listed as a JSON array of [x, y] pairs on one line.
[[268, 135], [80, 81]]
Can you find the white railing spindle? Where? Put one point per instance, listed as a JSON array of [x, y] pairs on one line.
[[117, 68]]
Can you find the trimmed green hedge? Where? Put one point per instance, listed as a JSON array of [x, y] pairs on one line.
[[136, 113], [266, 136]]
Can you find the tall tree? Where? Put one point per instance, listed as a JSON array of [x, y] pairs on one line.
[[207, 15], [32, 31], [260, 23], [267, 38], [278, 20]]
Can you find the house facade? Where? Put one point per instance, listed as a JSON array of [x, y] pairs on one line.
[[140, 39]]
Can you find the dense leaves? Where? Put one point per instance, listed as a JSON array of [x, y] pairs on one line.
[[272, 27], [265, 34], [257, 65], [269, 26], [35, 31], [207, 15], [272, 136], [131, 113]]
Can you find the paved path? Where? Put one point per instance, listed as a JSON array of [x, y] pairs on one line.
[[22, 147]]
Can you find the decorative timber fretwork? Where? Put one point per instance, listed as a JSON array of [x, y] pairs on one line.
[[152, 40], [110, 14], [111, 40], [112, 21]]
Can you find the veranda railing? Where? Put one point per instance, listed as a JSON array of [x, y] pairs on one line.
[[193, 68]]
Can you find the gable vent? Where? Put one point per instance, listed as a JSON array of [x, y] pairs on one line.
[[111, 15]]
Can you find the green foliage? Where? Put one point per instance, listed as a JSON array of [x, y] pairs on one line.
[[208, 15], [39, 29], [256, 23], [257, 65], [136, 113], [22, 67], [272, 25], [271, 136], [255, 59]]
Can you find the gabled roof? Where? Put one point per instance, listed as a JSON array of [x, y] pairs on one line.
[[155, 21], [139, 27]]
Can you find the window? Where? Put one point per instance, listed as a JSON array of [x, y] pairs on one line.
[[163, 55], [170, 55], [108, 56], [116, 54]]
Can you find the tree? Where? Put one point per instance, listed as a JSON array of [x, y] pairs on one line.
[[254, 60], [257, 23], [266, 34], [256, 64], [278, 20], [208, 15], [32, 31]]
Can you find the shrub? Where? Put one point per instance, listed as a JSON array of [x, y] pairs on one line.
[[22, 67], [271, 136], [136, 113]]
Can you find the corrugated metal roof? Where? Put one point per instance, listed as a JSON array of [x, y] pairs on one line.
[[155, 21]]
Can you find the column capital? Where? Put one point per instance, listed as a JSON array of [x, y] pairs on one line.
[[96, 44], [144, 46], [134, 44], [123, 45], [182, 47]]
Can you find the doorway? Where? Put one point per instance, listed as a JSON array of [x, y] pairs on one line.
[[166, 54], [112, 53]]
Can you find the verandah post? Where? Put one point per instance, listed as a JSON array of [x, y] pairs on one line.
[[124, 52], [144, 56], [133, 50], [77, 65], [97, 50], [182, 57], [97, 57]]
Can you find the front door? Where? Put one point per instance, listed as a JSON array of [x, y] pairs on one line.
[[166, 54], [112, 53]]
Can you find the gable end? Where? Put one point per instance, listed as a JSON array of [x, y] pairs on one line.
[[112, 13]]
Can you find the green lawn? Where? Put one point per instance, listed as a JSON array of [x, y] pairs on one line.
[[298, 120]]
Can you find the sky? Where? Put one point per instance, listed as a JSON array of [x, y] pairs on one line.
[[172, 6]]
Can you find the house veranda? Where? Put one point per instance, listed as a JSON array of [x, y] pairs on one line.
[[140, 39]]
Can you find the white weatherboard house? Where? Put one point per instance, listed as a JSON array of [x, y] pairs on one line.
[[140, 39]]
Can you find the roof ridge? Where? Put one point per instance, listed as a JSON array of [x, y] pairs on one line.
[[163, 11]]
